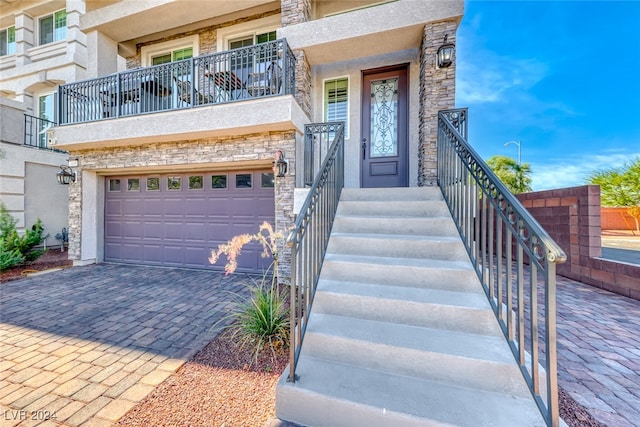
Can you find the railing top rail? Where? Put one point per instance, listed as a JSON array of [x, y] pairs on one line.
[[115, 75], [554, 253], [337, 127]]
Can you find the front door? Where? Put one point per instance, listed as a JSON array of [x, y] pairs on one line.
[[384, 147]]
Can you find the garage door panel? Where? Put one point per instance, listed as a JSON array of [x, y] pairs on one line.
[[132, 230], [173, 230], [132, 252], [174, 207], [173, 255], [181, 227], [133, 206], [153, 254], [193, 232], [112, 228], [153, 229], [113, 207]]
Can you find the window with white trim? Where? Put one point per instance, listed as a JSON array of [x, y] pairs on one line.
[[53, 27], [8, 41], [336, 101], [170, 51]]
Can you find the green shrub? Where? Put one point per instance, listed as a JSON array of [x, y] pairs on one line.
[[14, 248], [9, 257]]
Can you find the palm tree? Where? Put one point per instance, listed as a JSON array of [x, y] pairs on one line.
[[516, 177]]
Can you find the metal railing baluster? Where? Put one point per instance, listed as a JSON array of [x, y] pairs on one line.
[[491, 223]]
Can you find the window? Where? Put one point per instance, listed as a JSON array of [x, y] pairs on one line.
[[195, 182], [133, 184], [153, 184], [174, 183], [267, 180], [8, 41], [46, 111], [336, 102], [169, 51], [53, 27], [176, 55], [219, 181], [243, 180], [114, 185]]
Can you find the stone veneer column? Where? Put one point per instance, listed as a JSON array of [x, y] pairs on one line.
[[296, 12], [75, 216], [437, 92]]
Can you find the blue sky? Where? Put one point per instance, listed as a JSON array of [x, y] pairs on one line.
[[561, 77]]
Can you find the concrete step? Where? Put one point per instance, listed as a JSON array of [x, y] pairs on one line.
[[434, 308], [483, 362], [409, 272], [392, 194], [414, 226], [401, 246], [334, 395], [409, 208]]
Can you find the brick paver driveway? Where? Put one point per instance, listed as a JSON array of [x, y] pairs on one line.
[[87, 343]]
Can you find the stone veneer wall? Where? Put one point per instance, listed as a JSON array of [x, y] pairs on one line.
[[207, 36], [571, 216], [437, 92], [296, 12], [253, 147]]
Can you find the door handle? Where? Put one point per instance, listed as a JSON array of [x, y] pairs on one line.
[[364, 149]]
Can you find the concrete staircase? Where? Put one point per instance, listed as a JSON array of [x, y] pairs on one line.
[[400, 332]]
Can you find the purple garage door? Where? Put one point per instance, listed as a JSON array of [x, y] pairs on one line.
[[176, 219]]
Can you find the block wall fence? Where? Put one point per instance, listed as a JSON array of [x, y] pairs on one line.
[[616, 219], [572, 217]]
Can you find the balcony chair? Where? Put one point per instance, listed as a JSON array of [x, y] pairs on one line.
[[184, 94], [267, 80]]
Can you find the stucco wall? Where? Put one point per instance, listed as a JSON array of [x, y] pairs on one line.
[[87, 193], [571, 216], [29, 189]]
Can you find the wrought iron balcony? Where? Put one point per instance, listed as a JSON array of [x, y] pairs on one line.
[[263, 70], [35, 132]]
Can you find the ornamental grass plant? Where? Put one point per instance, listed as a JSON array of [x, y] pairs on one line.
[[259, 321]]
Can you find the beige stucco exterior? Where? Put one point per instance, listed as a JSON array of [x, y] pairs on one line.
[[329, 39]]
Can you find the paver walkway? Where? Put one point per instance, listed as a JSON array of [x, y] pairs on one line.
[[86, 344], [599, 351]]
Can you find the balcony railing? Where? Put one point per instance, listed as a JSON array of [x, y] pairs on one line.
[[35, 132], [266, 69], [310, 236], [504, 241]]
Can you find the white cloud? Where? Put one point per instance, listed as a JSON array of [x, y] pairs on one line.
[[573, 170]]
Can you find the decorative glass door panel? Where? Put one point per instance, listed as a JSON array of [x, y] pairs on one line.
[[384, 118], [384, 156]]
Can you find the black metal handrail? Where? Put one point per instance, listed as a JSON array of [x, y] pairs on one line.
[[310, 236], [35, 132], [262, 70], [493, 225]]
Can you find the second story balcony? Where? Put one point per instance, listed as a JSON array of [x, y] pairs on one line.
[[258, 71], [235, 92]]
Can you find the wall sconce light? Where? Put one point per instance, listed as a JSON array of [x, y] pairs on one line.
[[444, 57], [280, 165], [66, 175]]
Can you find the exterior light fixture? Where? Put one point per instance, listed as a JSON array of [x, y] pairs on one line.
[[444, 57], [66, 175], [280, 164]]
